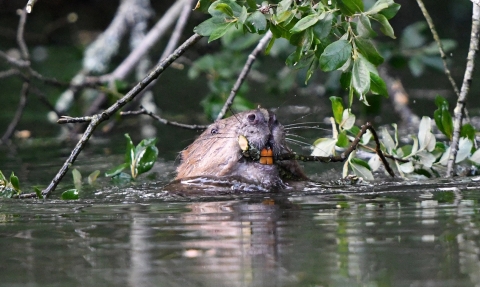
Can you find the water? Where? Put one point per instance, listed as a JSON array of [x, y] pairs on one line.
[[387, 234]]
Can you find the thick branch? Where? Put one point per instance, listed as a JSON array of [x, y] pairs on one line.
[[467, 80], [99, 118], [243, 74]]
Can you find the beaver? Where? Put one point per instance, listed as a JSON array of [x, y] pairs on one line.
[[218, 151]]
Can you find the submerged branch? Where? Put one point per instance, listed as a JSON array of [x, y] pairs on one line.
[[99, 118], [467, 80], [243, 74]]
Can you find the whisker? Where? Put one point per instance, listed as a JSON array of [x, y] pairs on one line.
[[304, 123], [307, 127], [298, 142]]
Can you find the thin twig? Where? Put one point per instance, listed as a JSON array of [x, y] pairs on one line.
[[99, 118], [18, 114], [13, 61], [20, 31], [467, 80], [143, 111], [243, 74], [177, 31], [343, 156], [150, 39], [9, 73], [440, 46]]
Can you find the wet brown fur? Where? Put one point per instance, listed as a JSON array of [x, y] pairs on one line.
[[217, 153]]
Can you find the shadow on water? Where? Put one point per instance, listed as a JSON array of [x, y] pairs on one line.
[[383, 234]]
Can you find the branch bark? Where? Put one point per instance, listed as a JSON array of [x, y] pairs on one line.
[[467, 80], [243, 74], [99, 118]]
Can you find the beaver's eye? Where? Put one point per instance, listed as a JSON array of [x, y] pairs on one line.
[[251, 118], [214, 131]]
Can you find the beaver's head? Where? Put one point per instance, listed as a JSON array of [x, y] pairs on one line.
[[217, 151]]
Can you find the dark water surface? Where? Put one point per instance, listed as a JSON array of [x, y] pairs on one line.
[[395, 234]]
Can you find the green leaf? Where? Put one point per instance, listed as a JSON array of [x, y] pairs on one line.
[[221, 7], [324, 147], [323, 27], [207, 27], [350, 7], [93, 177], [70, 194], [361, 168], [386, 28], [243, 16], [2, 177], [364, 27], [146, 159], [224, 8], [335, 55], [285, 16], [391, 11], [256, 22], [342, 140], [15, 182], [360, 77], [304, 23], [38, 192], [220, 31], [337, 108], [77, 177], [346, 80], [369, 51], [116, 170], [130, 151], [377, 85], [379, 6], [447, 124], [467, 131]]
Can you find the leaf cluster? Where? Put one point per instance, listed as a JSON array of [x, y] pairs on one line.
[[330, 35], [9, 187], [139, 159], [424, 156]]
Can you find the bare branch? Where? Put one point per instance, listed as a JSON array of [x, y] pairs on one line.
[[467, 80], [99, 118], [440, 46], [20, 39], [243, 74], [143, 111], [150, 39], [9, 73], [18, 114]]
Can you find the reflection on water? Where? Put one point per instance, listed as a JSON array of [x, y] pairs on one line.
[[395, 239]]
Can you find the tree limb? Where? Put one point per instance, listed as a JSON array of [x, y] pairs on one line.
[[243, 74], [467, 80], [99, 118]]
